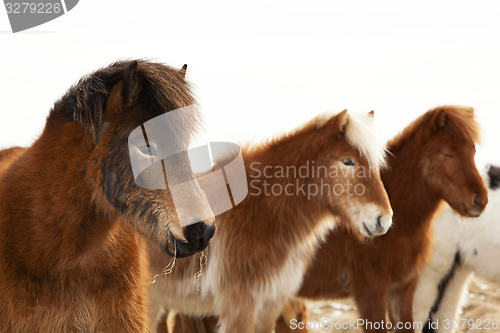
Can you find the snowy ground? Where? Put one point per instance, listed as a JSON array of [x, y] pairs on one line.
[[483, 303]]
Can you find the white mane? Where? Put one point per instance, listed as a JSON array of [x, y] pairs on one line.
[[361, 134]]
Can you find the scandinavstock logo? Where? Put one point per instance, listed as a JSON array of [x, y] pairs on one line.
[[25, 14]]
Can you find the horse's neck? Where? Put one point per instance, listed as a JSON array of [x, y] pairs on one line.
[[413, 202], [293, 215], [57, 211]]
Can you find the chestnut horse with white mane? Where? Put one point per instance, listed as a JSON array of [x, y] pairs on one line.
[[263, 246]]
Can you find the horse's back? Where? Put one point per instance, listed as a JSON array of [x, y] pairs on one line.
[[8, 156]]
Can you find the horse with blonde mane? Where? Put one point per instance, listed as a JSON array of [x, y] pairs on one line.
[[73, 222], [263, 246]]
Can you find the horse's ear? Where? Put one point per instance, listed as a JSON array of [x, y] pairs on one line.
[[182, 71], [132, 85], [343, 120], [442, 118], [469, 110], [371, 113], [438, 119]]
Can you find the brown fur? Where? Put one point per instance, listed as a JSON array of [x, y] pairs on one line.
[[70, 259], [247, 276]]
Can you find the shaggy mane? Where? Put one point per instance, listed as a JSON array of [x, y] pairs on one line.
[[163, 89], [460, 122]]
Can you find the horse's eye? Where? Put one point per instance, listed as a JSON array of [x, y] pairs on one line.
[[148, 150], [448, 155], [348, 162]]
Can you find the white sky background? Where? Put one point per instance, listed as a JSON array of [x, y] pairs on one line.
[[261, 68]]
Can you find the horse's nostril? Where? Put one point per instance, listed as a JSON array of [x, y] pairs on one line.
[[368, 231], [379, 221], [476, 200], [199, 234]]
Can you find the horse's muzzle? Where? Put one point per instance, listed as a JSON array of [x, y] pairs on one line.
[[382, 225], [197, 235]]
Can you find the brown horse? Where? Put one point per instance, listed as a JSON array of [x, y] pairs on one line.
[[430, 161], [71, 257], [299, 185]]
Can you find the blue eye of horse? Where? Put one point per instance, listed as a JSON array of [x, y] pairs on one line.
[[148, 150], [348, 162]]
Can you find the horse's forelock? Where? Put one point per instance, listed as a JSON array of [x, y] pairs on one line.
[[167, 90], [361, 135]]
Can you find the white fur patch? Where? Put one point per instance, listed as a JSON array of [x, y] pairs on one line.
[[477, 239], [286, 282], [182, 295], [367, 218]]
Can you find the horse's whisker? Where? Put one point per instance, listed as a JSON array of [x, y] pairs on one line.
[[197, 276], [170, 266]]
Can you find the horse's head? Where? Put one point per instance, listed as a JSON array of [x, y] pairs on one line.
[[138, 91], [448, 164], [354, 155]]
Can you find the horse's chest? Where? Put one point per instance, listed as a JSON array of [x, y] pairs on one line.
[[285, 280]]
